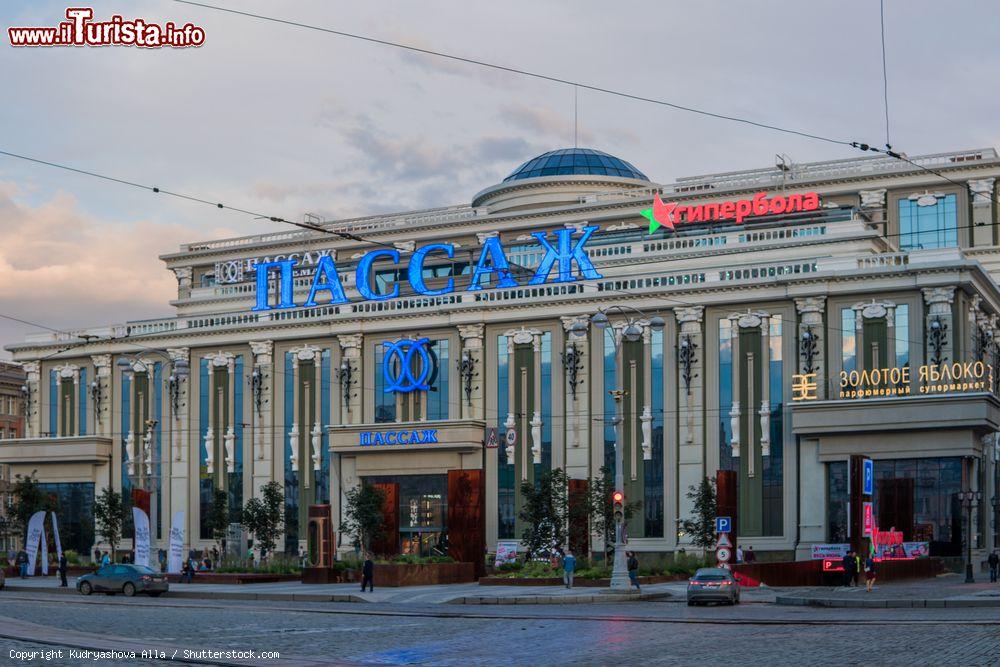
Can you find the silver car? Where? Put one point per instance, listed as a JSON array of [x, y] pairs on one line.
[[713, 584]]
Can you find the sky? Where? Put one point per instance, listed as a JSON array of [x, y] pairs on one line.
[[287, 121]]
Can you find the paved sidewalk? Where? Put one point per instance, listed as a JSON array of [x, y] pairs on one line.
[[442, 594], [947, 590]]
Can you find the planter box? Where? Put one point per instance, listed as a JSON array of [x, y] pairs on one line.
[[327, 575], [393, 575], [577, 582], [235, 578]]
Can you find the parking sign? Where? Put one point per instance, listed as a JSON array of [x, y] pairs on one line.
[[723, 524], [868, 487]]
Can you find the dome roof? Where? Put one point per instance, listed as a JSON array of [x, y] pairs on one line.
[[578, 161]]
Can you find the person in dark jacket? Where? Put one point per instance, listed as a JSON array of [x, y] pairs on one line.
[[22, 563], [368, 574], [849, 565], [63, 566], [994, 562], [633, 570]]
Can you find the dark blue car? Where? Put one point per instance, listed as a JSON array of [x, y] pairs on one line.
[[123, 578]]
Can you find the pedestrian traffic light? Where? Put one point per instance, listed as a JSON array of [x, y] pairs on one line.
[[618, 501]]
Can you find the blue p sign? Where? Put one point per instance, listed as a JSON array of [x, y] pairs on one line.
[[723, 524], [868, 486]]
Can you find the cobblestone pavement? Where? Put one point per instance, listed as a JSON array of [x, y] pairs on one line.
[[644, 632]]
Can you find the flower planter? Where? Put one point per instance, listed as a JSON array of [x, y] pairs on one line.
[[393, 575], [235, 578], [577, 582]]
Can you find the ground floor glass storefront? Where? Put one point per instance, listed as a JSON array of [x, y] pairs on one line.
[[915, 496], [422, 511], [74, 507]]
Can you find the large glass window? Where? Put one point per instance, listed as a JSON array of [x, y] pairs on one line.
[[291, 476], [915, 496], [53, 404], [774, 464], [902, 326], [848, 340], [82, 399], [652, 505], [205, 482], [505, 471], [437, 397], [726, 460], [546, 364], [928, 221], [74, 511], [423, 512]]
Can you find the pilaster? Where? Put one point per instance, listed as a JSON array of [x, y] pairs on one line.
[[350, 352], [265, 444], [576, 372], [938, 324], [982, 211], [102, 413], [471, 358], [33, 413], [810, 343], [690, 359]]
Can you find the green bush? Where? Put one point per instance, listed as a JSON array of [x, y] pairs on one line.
[[276, 564], [72, 557], [410, 559]]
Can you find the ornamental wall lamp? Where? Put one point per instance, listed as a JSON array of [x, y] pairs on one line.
[[345, 375], [96, 397], [938, 339], [572, 360], [686, 358], [256, 382], [467, 371], [808, 349]]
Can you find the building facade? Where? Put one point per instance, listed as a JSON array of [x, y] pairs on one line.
[[813, 311], [12, 379]]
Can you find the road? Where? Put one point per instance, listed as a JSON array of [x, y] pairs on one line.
[[662, 633]]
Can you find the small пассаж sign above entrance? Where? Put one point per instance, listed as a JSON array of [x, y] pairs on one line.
[[406, 437]]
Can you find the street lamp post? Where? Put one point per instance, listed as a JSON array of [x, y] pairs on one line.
[[631, 332], [969, 500]]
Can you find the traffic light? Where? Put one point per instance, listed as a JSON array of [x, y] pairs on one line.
[[618, 503]]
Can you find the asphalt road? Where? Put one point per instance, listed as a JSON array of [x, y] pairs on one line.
[[662, 633]]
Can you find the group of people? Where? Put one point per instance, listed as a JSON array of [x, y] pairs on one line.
[[747, 556], [568, 563], [853, 567], [191, 564], [21, 563]]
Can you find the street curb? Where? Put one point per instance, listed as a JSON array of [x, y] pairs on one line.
[[209, 595], [558, 599], [898, 603]]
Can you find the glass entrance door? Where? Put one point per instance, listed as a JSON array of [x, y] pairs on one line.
[[423, 513]]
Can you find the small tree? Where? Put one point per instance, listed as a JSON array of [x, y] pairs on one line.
[[545, 511], [601, 505], [28, 498], [701, 527], [363, 518], [262, 517], [109, 516], [218, 516]]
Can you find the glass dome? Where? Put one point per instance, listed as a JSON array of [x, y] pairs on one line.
[[578, 161]]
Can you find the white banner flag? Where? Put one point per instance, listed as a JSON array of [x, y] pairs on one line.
[[141, 541], [44, 555], [176, 557], [36, 528], [55, 535]]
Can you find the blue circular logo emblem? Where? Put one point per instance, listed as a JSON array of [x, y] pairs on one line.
[[404, 377]]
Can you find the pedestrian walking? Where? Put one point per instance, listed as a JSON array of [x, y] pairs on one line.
[[739, 554], [105, 559], [63, 566], [368, 574], [849, 565], [749, 557], [22, 563], [994, 563], [97, 556], [869, 573], [633, 570], [569, 567]]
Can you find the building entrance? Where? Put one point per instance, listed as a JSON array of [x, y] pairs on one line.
[[421, 513]]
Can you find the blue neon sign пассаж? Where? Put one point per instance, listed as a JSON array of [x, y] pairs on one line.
[[375, 438], [559, 255]]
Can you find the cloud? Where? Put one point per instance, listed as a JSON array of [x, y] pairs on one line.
[[545, 123], [63, 268]]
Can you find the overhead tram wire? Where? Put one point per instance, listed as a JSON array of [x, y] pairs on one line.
[[522, 72]]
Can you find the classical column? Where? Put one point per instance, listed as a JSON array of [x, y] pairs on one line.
[[178, 414], [183, 275], [810, 344], [873, 206], [536, 417], [576, 363], [264, 442], [472, 347], [982, 211], [939, 327], [350, 350], [75, 402], [102, 371], [32, 417]]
